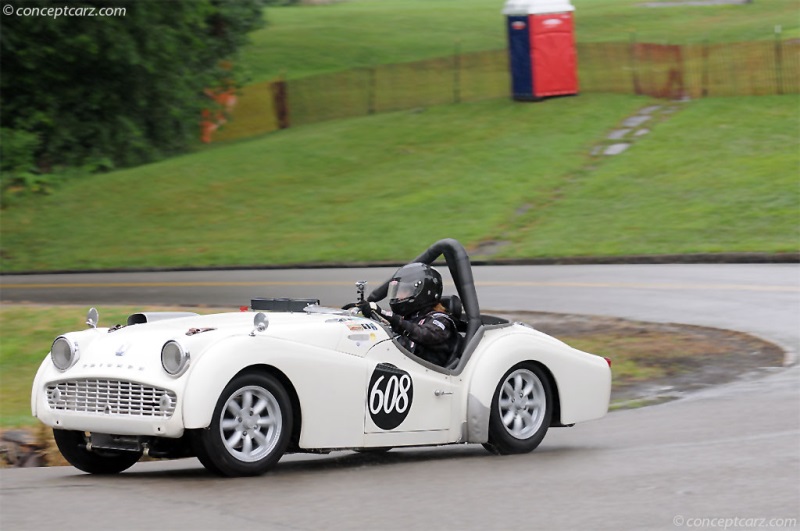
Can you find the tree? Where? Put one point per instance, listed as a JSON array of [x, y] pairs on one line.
[[115, 90]]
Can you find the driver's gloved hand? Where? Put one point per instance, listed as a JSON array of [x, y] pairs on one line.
[[368, 308]]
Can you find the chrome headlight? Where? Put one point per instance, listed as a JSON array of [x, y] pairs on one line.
[[174, 358], [64, 353]]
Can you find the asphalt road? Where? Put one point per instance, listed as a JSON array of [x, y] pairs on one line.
[[727, 457]]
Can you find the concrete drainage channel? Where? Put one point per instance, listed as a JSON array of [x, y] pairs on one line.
[[634, 127]]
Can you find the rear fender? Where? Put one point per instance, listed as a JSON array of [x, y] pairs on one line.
[[580, 382]]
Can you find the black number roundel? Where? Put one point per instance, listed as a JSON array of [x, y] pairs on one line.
[[389, 397]]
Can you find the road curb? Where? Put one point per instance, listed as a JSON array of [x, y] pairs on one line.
[[698, 258]]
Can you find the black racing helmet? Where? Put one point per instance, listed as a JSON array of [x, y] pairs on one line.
[[414, 287]]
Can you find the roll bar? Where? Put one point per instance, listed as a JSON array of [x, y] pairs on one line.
[[460, 269]]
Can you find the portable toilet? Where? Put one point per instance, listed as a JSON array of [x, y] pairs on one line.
[[541, 46]]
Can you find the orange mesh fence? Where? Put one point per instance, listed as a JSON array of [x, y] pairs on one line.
[[328, 96], [605, 67], [663, 71], [252, 114], [484, 75]]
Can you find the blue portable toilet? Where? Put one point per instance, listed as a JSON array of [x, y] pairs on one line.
[[541, 46]]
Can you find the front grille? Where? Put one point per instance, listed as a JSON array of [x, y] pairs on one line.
[[111, 397]]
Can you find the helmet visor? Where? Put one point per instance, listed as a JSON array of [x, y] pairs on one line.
[[401, 290]]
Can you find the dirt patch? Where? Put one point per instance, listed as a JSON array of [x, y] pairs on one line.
[[651, 363]]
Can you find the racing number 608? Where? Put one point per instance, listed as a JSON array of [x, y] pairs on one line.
[[393, 398]]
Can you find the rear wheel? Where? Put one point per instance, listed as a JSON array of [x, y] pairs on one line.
[[522, 408], [250, 429], [72, 445]]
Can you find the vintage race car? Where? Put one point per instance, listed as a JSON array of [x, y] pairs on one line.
[[239, 390]]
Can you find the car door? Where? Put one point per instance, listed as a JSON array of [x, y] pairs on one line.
[[406, 402]]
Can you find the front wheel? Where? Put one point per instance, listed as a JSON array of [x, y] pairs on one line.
[[522, 408], [72, 445], [250, 429]]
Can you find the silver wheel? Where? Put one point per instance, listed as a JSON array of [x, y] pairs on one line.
[[250, 428], [522, 403], [250, 423]]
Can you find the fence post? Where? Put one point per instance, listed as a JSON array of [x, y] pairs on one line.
[[637, 87], [779, 59], [457, 72], [371, 90], [732, 68], [280, 103], [704, 91]]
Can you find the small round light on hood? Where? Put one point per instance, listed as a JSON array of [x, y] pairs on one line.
[[64, 353], [174, 358]]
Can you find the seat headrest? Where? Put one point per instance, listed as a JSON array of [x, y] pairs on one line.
[[453, 306]]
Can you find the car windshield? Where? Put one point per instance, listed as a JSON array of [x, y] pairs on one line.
[[314, 308]]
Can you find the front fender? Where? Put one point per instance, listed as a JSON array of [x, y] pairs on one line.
[[330, 386], [581, 381], [36, 390]]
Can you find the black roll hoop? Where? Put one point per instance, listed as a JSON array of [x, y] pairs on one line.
[[460, 269]]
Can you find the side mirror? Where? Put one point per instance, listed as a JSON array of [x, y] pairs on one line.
[[260, 322], [92, 318]]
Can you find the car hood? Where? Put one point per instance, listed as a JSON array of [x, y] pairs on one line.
[[139, 342]]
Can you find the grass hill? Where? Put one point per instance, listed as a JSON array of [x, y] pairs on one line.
[[719, 175], [306, 40]]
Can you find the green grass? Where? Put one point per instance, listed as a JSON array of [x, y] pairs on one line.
[[720, 175], [615, 20], [307, 40], [373, 188]]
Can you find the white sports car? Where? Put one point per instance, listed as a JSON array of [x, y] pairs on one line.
[[238, 390]]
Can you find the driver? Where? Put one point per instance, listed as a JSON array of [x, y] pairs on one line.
[[425, 328]]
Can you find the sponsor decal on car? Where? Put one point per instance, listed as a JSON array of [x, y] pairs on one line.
[[358, 339], [359, 326], [390, 395]]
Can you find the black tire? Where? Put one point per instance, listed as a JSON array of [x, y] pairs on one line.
[[196, 438], [522, 408], [72, 445], [251, 441]]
